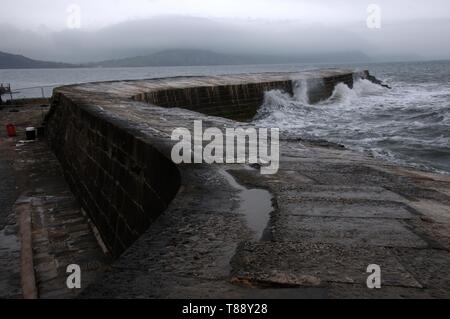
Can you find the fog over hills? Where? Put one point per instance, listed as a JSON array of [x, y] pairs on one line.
[[196, 57], [231, 37], [186, 57]]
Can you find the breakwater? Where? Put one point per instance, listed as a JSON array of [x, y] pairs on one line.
[[114, 148]]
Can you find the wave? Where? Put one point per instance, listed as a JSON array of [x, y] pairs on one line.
[[408, 124]]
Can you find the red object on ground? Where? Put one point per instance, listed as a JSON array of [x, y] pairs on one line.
[[11, 129]]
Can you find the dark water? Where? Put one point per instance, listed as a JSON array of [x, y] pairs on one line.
[[408, 124]]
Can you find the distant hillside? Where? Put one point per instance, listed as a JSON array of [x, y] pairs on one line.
[[13, 61], [184, 57]]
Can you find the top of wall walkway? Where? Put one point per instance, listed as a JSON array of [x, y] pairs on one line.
[[335, 211]]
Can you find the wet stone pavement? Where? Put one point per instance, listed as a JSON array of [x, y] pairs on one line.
[[61, 233], [33, 185], [10, 286], [335, 212]]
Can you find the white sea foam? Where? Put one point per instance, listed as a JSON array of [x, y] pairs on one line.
[[409, 123]]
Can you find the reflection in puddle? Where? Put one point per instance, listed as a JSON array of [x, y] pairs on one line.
[[256, 205]]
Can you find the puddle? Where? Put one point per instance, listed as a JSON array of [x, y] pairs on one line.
[[256, 205]]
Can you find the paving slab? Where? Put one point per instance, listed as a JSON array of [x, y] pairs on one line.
[[349, 208], [348, 231], [304, 264]]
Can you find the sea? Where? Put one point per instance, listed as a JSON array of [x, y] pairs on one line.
[[407, 124]]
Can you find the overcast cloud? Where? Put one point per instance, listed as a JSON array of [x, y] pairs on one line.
[[119, 28]]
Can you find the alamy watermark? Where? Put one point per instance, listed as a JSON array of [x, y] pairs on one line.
[[374, 16], [230, 146], [73, 20], [73, 281], [374, 279]]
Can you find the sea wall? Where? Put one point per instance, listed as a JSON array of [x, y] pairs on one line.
[[237, 102], [121, 181], [240, 102], [113, 138]]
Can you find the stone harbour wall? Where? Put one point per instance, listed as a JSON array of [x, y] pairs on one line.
[[239, 102], [113, 138], [334, 210], [121, 181]]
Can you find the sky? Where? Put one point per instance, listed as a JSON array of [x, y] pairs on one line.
[[83, 30], [99, 13]]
